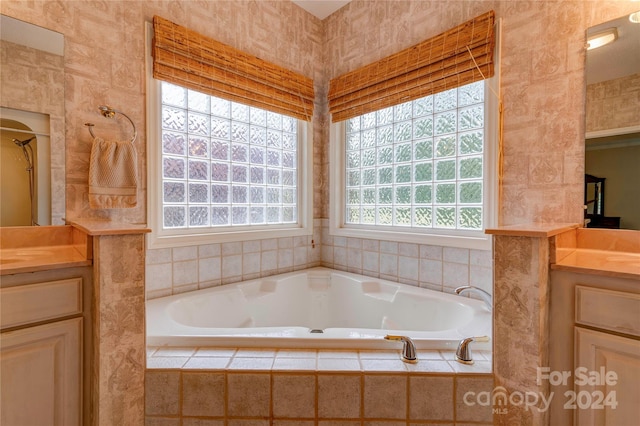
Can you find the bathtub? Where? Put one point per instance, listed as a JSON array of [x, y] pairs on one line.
[[315, 308]]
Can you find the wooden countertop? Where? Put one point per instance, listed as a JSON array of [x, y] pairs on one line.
[[39, 248], [95, 227], [599, 262], [34, 259], [540, 230]]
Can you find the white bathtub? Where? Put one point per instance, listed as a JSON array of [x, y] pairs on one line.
[[290, 310]]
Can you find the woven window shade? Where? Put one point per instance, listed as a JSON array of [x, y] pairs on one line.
[[186, 58], [459, 56]]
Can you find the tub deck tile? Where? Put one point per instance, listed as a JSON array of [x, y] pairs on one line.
[[295, 364], [338, 364], [306, 360], [215, 352], [255, 364], [166, 362], [207, 363]]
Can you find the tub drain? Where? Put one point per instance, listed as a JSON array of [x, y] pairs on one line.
[[316, 330]]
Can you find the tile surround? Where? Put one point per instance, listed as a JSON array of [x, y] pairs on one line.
[[433, 267], [172, 271], [182, 269], [320, 395]]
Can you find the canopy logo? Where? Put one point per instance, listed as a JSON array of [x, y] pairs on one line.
[[594, 399]]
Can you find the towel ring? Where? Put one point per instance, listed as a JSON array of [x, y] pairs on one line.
[[109, 112]]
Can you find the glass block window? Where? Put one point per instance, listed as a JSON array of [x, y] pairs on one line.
[[225, 163], [419, 164]]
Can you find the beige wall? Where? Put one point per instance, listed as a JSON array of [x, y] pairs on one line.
[[621, 168], [104, 58], [542, 82], [542, 85], [613, 104]]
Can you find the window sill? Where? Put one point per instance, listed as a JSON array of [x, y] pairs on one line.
[[472, 240]]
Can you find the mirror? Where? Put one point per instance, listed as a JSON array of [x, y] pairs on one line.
[[612, 142], [32, 151]]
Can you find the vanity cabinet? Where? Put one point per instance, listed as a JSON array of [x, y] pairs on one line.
[[595, 337], [42, 351], [599, 314]]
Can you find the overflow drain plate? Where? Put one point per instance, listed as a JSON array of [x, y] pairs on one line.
[[316, 330]]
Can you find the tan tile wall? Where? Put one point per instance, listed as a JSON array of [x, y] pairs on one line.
[[117, 392], [542, 85], [421, 265], [520, 326], [300, 387], [542, 82], [257, 398], [104, 64], [614, 103], [182, 269]]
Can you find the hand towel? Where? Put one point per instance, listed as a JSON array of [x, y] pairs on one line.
[[113, 175]]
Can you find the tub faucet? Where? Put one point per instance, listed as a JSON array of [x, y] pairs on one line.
[[408, 349], [486, 297]]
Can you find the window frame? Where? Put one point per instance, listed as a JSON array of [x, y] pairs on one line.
[[441, 237], [165, 238]]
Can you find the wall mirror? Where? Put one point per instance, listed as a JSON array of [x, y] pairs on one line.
[[612, 142], [32, 152]]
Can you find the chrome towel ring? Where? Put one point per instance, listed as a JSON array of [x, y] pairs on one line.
[[109, 112]]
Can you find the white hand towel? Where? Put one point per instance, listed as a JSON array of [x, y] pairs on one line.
[[113, 175]]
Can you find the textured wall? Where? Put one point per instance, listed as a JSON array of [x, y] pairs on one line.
[[613, 104], [542, 85], [542, 82], [104, 64]]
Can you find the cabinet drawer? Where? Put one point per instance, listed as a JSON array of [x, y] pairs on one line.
[[607, 309], [40, 302]]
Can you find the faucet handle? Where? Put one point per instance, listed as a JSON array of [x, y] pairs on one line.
[[463, 353], [408, 349]]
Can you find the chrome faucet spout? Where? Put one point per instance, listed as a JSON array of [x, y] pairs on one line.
[[486, 297]]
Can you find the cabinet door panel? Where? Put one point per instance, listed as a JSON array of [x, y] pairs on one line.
[[40, 375], [596, 351]]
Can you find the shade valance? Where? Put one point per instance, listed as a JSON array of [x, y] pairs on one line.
[[184, 57], [459, 56]]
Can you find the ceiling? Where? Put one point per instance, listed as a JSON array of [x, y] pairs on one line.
[[321, 8]]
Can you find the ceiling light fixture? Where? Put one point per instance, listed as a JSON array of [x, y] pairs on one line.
[[602, 38], [635, 17]]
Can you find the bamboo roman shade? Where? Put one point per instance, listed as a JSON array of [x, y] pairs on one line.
[[186, 58], [459, 56]]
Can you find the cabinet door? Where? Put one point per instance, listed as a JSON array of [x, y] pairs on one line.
[[41, 375], [598, 353]]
